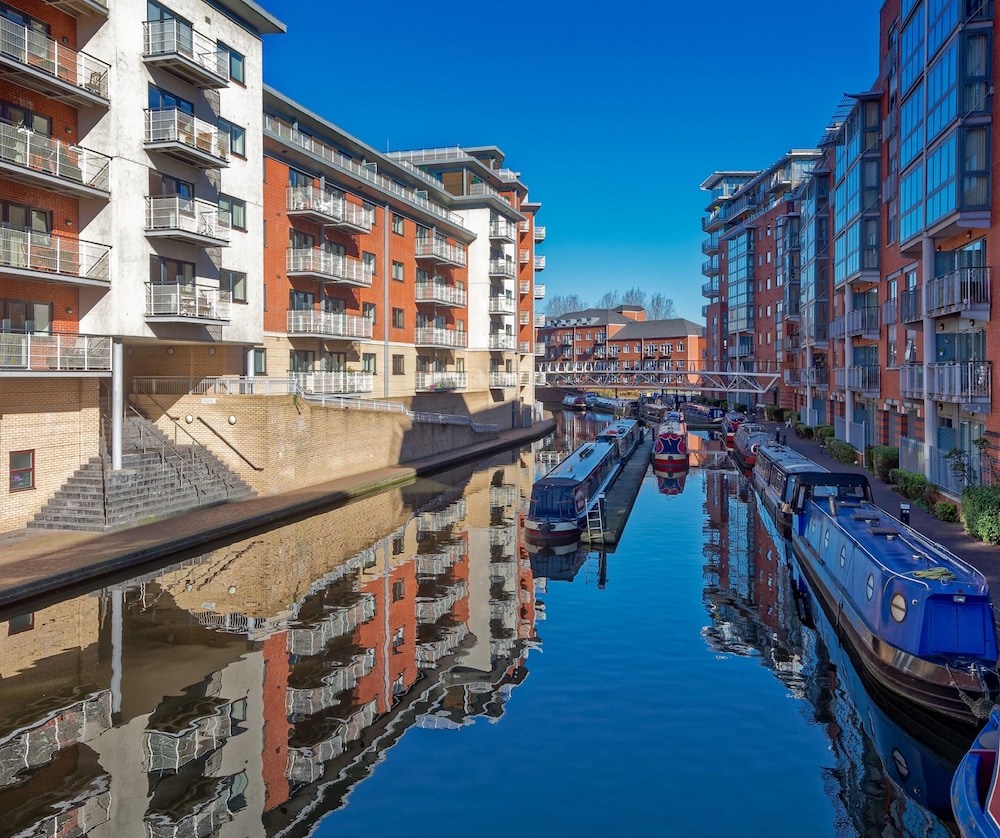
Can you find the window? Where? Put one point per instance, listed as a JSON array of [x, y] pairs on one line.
[[164, 100], [233, 61], [237, 209], [398, 590], [301, 361], [260, 362], [22, 622], [397, 365], [397, 271], [22, 118], [167, 186], [369, 260], [397, 318], [22, 470], [398, 225], [368, 311], [163, 271], [235, 282], [25, 316], [301, 300], [237, 137], [368, 362]]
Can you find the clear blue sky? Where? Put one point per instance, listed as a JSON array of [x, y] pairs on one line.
[[612, 114]]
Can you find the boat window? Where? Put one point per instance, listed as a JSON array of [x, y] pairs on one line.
[[898, 607], [824, 491], [843, 555], [870, 586], [826, 540]]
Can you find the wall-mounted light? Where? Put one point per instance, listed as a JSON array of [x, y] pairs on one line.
[[941, 326], [232, 589], [940, 406], [232, 420], [69, 222], [189, 418], [969, 234], [170, 350], [69, 309], [938, 248], [972, 324], [211, 350]]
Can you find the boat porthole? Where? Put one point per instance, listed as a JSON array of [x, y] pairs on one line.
[[812, 527], [826, 540], [843, 555], [870, 586], [898, 607]]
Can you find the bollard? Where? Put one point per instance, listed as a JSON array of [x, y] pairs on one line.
[[904, 513]]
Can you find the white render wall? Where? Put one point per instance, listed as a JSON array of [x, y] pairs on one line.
[[119, 132]]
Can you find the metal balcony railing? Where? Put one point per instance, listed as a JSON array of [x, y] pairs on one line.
[[430, 381], [332, 267], [964, 291], [539, 291], [204, 63], [180, 301], [964, 382], [174, 127], [29, 250], [539, 263], [54, 353], [502, 343], [440, 250], [862, 322], [440, 293], [539, 232], [37, 153], [331, 207], [910, 308], [503, 230], [329, 324], [188, 215], [503, 379], [502, 304], [334, 382], [911, 381], [502, 267], [524, 256], [433, 336]]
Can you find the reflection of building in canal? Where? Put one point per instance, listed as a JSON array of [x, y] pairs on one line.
[[228, 692]]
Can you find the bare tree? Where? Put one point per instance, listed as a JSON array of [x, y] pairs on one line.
[[634, 297], [660, 308], [562, 303], [610, 300]]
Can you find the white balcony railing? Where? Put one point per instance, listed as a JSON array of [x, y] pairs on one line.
[[524, 256], [32, 251], [966, 290], [440, 292], [539, 263], [45, 57], [176, 37], [502, 343], [503, 229], [539, 232], [36, 152], [54, 353], [197, 302], [329, 205], [966, 381], [330, 324], [911, 381], [172, 125], [432, 336], [427, 381], [188, 215], [539, 291], [503, 379], [502, 304], [334, 382], [327, 265], [430, 247], [502, 267]]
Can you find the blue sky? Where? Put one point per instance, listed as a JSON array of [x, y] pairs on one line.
[[613, 115]]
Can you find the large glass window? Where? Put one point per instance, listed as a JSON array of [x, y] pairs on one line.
[[235, 282], [941, 180], [975, 167], [911, 128], [22, 470], [976, 72], [237, 137], [163, 271], [942, 92], [911, 50], [234, 62], [237, 209], [164, 100], [911, 196]]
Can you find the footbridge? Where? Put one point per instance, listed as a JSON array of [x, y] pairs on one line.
[[735, 380]]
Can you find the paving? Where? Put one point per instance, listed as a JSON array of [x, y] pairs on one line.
[[985, 557], [41, 563]]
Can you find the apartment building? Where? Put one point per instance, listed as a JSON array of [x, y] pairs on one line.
[[891, 316]]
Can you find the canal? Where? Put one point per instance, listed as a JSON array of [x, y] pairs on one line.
[[405, 665]]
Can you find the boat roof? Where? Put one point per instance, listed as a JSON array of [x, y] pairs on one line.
[[787, 458], [580, 463], [619, 427]]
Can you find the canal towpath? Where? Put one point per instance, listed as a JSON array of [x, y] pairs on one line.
[[38, 563]]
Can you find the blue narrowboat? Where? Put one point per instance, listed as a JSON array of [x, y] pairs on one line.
[[561, 499], [975, 791], [775, 475], [625, 433], [918, 619]]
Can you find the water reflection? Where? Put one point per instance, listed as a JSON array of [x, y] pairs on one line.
[[892, 775]]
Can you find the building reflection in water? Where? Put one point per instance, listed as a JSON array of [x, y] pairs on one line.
[[887, 779], [248, 689]]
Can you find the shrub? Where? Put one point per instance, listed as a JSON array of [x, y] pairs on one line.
[[916, 487], [774, 414], [981, 513], [883, 460], [842, 452], [894, 476], [824, 433], [946, 511], [804, 431]]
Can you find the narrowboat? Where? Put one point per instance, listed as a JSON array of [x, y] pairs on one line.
[[670, 482], [748, 438], [625, 433], [621, 408], [917, 618], [701, 415], [774, 476], [561, 499], [670, 451], [730, 423], [975, 796], [574, 401]]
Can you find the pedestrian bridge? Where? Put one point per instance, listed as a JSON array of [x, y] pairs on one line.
[[736, 379]]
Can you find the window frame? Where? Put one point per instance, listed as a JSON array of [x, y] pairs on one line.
[[226, 283], [230, 204], [16, 471]]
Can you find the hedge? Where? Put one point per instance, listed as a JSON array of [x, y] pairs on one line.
[[981, 513], [883, 459], [842, 452]]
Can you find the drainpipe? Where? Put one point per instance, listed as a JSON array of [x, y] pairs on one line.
[[117, 402], [930, 406]]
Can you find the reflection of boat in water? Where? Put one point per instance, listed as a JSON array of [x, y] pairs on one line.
[[670, 451], [624, 433], [747, 439], [670, 482], [561, 499], [557, 562], [775, 478], [918, 619], [975, 789]]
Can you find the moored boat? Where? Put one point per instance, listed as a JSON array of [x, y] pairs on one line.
[[574, 401], [625, 433], [975, 787], [775, 475], [749, 436], [701, 415], [730, 423], [918, 618], [670, 451], [561, 499]]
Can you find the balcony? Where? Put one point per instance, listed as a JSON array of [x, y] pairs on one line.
[[429, 382], [965, 292], [440, 293], [862, 322], [503, 379], [966, 383], [80, 8], [316, 263], [444, 338], [503, 304], [333, 383], [792, 377], [539, 291], [438, 250], [174, 46], [539, 321], [324, 207], [710, 246], [524, 318], [503, 230], [539, 233], [816, 377], [38, 160], [187, 220], [329, 325], [539, 263], [33, 60], [910, 307], [186, 138], [27, 254], [862, 379], [181, 303], [539, 350], [890, 312], [502, 268], [710, 290], [524, 256], [500, 342], [791, 343], [24, 355], [911, 381]]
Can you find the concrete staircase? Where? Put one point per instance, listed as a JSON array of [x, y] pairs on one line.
[[158, 479]]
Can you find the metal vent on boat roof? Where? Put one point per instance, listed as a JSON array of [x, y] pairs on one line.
[[886, 531], [864, 516]]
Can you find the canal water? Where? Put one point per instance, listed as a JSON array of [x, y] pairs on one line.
[[405, 666]]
